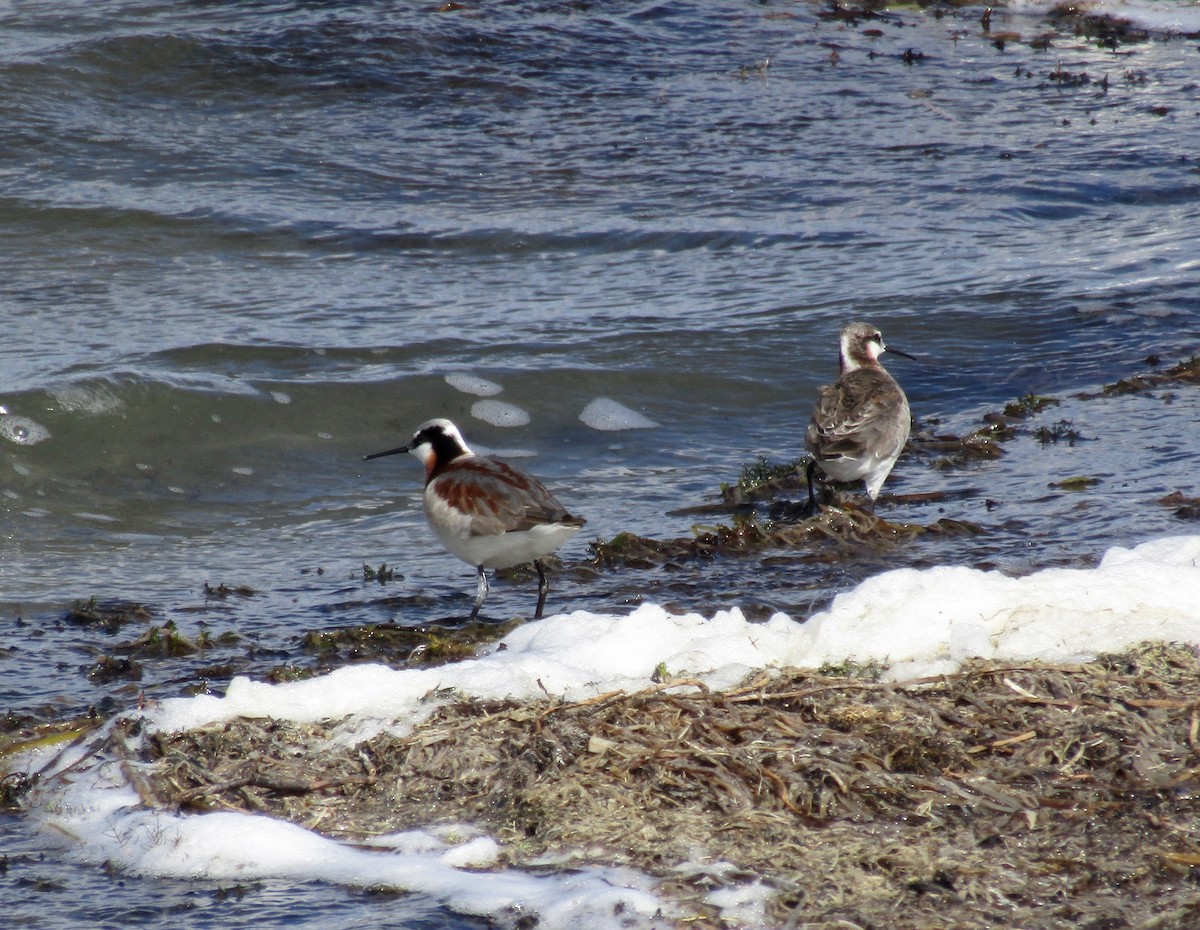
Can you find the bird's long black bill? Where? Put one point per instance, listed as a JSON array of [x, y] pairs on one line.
[[379, 455], [892, 350]]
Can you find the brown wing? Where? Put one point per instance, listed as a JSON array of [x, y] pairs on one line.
[[859, 410], [499, 498]]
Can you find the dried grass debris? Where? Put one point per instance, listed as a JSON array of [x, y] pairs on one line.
[[1040, 796]]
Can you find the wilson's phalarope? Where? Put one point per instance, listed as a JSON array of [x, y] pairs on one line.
[[860, 423], [484, 511]]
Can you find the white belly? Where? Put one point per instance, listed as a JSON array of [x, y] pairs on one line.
[[501, 550], [508, 549]]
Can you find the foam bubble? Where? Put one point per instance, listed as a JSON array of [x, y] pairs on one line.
[[22, 430], [604, 413], [498, 413], [281, 398], [470, 384]]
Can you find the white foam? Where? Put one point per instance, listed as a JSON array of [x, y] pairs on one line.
[[928, 622], [104, 815], [498, 413], [604, 413], [922, 622], [22, 430], [471, 384], [742, 905]]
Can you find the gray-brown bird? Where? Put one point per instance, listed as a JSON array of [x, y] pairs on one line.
[[860, 422]]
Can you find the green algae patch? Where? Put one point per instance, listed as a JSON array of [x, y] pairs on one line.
[[1077, 483], [397, 645], [1028, 405], [764, 479]]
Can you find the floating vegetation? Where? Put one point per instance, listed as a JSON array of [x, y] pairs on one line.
[[1187, 508], [163, 642], [383, 574], [1028, 405], [1062, 431], [749, 535], [108, 616], [114, 668], [1064, 78], [30, 735], [207, 641], [222, 591], [764, 478], [1186, 371], [954, 451], [1078, 483], [397, 645], [1105, 30], [1058, 795], [13, 788]]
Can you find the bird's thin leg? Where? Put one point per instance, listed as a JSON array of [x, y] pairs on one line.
[[812, 498], [481, 593], [543, 587]]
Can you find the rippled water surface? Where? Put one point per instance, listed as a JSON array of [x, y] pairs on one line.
[[243, 245]]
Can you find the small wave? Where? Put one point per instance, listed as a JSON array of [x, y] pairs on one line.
[[86, 398]]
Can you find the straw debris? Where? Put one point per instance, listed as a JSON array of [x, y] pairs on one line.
[[1031, 795]]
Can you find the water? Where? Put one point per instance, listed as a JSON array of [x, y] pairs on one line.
[[244, 245]]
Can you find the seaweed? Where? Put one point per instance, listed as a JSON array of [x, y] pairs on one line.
[[751, 534], [399, 645], [1186, 371], [763, 478], [1076, 483], [108, 616], [1028, 405], [1062, 431], [1187, 508], [383, 574]]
